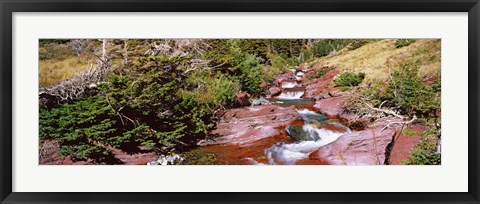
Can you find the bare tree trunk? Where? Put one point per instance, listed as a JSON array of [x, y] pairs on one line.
[[290, 48], [125, 53], [309, 42], [104, 50]]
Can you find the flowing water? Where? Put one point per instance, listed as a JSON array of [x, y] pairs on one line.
[[289, 84], [318, 131], [298, 140]]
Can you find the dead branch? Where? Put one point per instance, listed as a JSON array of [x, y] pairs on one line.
[[180, 47], [390, 112], [79, 86], [403, 123], [117, 112]]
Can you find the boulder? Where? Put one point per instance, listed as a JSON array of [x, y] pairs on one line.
[[243, 99], [404, 144], [243, 126], [273, 91], [284, 77], [167, 160], [354, 121], [331, 106], [299, 133], [260, 101], [320, 86], [312, 117], [366, 147]]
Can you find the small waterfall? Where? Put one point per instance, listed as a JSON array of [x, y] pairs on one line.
[[314, 138], [282, 153], [290, 95], [289, 84], [299, 73]]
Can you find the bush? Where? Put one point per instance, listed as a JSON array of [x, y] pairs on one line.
[[403, 42], [82, 128], [151, 99], [244, 67], [249, 74], [322, 48], [216, 91], [422, 157], [277, 60], [320, 73], [152, 106], [407, 91], [349, 79], [358, 43], [307, 53], [325, 47]]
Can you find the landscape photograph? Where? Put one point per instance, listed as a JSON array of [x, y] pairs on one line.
[[239, 101]]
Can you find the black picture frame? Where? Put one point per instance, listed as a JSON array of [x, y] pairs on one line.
[[7, 8]]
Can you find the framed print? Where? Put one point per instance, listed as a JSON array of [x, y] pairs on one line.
[[257, 102]]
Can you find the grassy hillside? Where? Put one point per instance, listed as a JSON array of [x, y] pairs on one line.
[[376, 58], [60, 62]]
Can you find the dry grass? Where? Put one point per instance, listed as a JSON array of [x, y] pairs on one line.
[[378, 58], [55, 70]]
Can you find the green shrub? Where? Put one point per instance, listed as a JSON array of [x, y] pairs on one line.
[[324, 47], [349, 79], [307, 53], [407, 91], [358, 43], [320, 73], [249, 74], [82, 128], [277, 60], [216, 91], [244, 67], [403, 42], [153, 105], [425, 152], [421, 157]]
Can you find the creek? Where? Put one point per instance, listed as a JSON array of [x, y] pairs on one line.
[[296, 141]]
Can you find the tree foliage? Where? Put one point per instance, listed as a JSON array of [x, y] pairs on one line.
[[408, 91], [349, 79]]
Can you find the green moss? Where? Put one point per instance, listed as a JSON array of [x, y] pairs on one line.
[[198, 157]]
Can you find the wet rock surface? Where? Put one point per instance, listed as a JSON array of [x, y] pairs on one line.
[[274, 91], [322, 86], [299, 133], [331, 106], [260, 101], [365, 147], [246, 125], [403, 146]]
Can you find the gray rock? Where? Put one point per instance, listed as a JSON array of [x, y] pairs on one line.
[[260, 101], [299, 133], [313, 118], [167, 160]]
